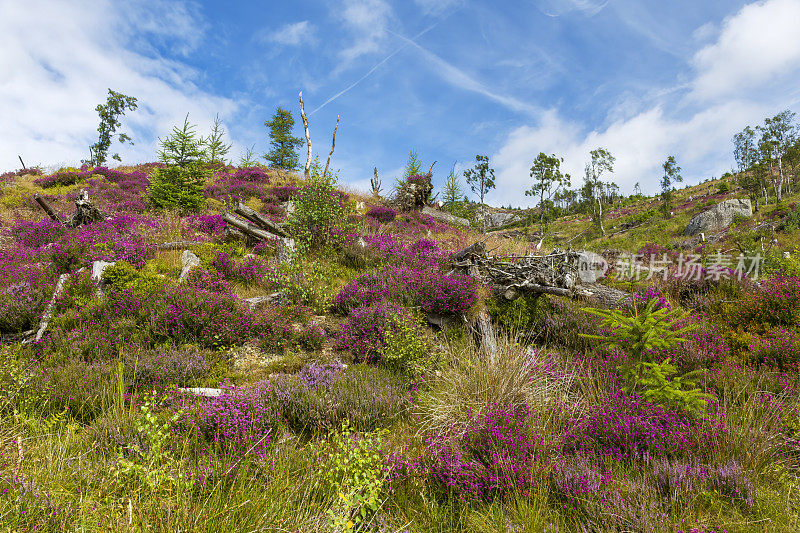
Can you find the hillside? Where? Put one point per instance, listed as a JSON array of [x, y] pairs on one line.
[[162, 371]]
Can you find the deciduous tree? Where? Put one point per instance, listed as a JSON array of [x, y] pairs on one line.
[[115, 106]]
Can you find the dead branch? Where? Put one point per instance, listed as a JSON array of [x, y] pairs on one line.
[[333, 144], [308, 136]]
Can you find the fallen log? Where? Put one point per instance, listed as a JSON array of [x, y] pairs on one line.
[[247, 229], [45, 205], [260, 220], [48, 312]]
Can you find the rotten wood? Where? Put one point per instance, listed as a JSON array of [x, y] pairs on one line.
[[333, 144], [308, 136], [260, 220], [376, 183]]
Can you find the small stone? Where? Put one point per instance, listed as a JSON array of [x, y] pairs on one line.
[[189, 261]]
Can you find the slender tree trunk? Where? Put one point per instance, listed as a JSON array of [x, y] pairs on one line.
[[333, 145], [308, 137], [600, 216]]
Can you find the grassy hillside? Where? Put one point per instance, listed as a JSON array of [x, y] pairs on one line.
[[342, 408]]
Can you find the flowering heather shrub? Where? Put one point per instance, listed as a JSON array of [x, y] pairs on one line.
[[773, 304], [680, 475], [371, 287], [250, 270], [627, 427], [67, 177], [730, 480], [364, 331], [208, 224], [24, 292], [207, 280], [382, 213], [202, 317], [115, 239], [284, 193], [779, 348], [654, 251], [245, 183], [239, 420], [565, 323], [580, 479], [704, 347], [643, 297], [443, 294], [497, 455], [165, 366], [318, 375]]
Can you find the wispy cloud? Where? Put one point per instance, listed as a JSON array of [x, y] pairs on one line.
[[462, 80], [293, 34], [556, 8], [367, 22]]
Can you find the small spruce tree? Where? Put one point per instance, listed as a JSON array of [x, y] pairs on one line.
[[283, 144]]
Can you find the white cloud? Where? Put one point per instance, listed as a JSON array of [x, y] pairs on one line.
[[755, 46], [640, 144], [367, 22], [292, 34], [57, 61]]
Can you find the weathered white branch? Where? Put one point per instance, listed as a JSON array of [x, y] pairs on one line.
[[333, 144], [308, 136], [48, 312]]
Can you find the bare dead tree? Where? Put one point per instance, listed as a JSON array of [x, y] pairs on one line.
[[308, 136], [376, 183], [333, 145]]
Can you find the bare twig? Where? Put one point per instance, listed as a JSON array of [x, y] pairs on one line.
[[21, 162], [308, 136], [333, 144]]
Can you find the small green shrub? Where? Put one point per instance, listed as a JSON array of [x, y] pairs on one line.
[[521, 315], [178, 187], [407, 344], [355, 473], [320, 214], [723, 187], [124, 276]]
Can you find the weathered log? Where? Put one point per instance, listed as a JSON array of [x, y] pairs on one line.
[[48, 312], [260, 220], [16, 337], [178, 245], [473, 249], [247, 229], [45, 205], [273, 298]]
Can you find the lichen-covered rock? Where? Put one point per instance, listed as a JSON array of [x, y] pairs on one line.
[[719, 217]]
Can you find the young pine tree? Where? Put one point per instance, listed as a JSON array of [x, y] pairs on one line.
[[215, 147], [182, 147], [283, 152]]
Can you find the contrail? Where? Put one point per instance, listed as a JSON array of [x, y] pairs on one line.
[[462, 80], [381, 62]]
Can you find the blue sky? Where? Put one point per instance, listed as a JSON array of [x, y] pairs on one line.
[[448, 78]]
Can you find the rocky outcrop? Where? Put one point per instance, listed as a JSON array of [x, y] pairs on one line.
[[719, 217], [444, 216], [189, 261], [496, 219]]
